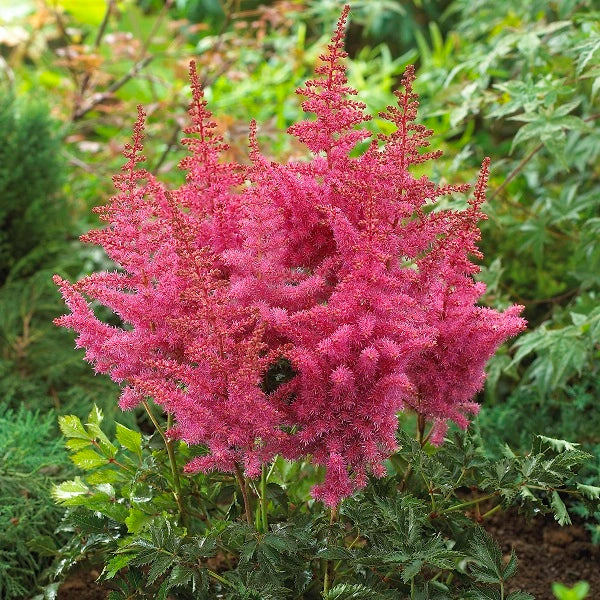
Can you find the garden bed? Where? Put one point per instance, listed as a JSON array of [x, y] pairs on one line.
[[546, 551]]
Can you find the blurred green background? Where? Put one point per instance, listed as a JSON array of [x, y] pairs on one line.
[[517, 80]]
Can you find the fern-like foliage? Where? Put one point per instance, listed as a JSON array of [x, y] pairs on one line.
[[31, 458]]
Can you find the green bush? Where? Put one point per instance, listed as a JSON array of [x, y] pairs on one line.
[[31, 458], [33, 212]]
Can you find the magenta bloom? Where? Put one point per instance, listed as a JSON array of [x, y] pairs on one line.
[[336, 263]]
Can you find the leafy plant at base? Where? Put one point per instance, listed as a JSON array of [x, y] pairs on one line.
[[415, 532]]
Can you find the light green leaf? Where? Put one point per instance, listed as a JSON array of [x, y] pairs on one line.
[[77, 444], [590, 491], [132, 440], [71, 427], [578, 592], [136, 520], [558, 445], [69, 490], [88, 12], [115, 564], [560, 510], [95, 416], [88, 459]]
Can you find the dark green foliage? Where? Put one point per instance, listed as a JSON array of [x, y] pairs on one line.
[[403, 536], [38, 368], [31, 458], [32, 210]]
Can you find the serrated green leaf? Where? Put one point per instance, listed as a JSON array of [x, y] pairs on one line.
[[88, 459], [335, 553], [115, 564], [519, 595], [411, 569], [136, 520], [159, 566], [558, 445], [511, 567], [88, 522], [68, 490], [163, 590], [180, 575], [132, 440], [484, 593], [95, 417], [345, 591], [487, 555], [589, 491], [77, 444], [71, 427], [560, 510], [104, 476]]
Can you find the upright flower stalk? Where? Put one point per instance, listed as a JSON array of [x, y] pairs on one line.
[[334, 264]]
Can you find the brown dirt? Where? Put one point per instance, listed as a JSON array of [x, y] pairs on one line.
[[547, 553], [81, 585]]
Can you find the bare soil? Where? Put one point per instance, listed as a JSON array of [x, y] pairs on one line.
[[547, 553], [81, 585]]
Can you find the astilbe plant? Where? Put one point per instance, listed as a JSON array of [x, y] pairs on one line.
[[337, 264]]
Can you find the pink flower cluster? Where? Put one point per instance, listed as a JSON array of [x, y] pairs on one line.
[[336, 263]]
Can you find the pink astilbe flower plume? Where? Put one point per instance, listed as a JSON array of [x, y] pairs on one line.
[[336, 263], [450, 373], [183, 342]]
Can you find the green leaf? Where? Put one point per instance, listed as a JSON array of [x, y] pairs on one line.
[[180, 575], [519, 595], [345, 591], [95, 417], [77, 444], [484, 593], [115, 564], [88, 522], [487, 555], [136, 520], [558, 445], [88, 459], [335, 553], [560, 510], [132, 440], [88, 12], [411, 569], [69, 489], [578, 592], [589, 491], [511, 567], [159, 567], [71, 427]]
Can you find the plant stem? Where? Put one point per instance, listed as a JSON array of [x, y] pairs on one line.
[[220, 579], [490, 512], [172, 461], [244, 489], [329, 564], [470, 502], [263, 499]]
